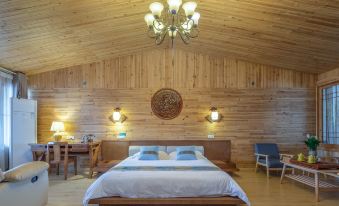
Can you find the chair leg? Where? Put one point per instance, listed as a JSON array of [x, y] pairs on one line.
[[90, 174], [256, 167], [75, 166], [58, 169], [268, 171], [65, 170]]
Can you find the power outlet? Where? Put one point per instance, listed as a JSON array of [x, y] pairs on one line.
[[70, 138], [210, 136]]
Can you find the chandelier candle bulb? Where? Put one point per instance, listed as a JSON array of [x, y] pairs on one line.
[[156, 9], [187, 26], [171, 33], [174, 6], [158, 27], [189, 8]]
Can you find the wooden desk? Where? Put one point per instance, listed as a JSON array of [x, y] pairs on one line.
[[39, 151]]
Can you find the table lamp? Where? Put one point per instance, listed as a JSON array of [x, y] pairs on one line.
[[57, 128]]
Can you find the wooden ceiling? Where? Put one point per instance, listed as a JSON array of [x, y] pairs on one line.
[[40, 35]]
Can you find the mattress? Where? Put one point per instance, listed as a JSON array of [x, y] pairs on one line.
[[134, 178]]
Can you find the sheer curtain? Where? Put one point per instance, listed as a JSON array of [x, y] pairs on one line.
[[6, 92]]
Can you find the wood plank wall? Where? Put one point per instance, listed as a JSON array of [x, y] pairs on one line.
[[259, 103]]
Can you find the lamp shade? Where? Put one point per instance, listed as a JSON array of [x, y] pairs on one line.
[[189, 8], [214, 115], [195, 18], [116, 115], [149, 18], [156, 9], [58, 127], [174, 6]]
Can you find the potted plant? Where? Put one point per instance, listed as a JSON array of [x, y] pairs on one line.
[[312, 143]]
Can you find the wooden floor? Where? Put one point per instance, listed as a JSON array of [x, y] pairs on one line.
[[261, 192]]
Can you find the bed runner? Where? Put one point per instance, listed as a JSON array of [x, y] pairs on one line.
[[165, 168]]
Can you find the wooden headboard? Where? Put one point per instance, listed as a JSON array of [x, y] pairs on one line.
[[214, 149]]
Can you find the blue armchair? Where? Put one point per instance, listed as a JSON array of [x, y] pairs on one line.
[[267, 155]]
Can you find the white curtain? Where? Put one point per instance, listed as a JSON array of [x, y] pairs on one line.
[[6, 92]]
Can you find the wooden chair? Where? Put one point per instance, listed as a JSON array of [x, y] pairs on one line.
[[39, 152], [97, 164], [60, 156], [93, 157]]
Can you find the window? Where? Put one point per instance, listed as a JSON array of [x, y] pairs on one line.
[[330, 114]]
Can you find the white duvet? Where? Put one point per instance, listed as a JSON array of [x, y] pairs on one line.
[[164, 184]]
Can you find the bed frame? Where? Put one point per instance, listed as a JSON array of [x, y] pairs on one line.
[[214, 150]]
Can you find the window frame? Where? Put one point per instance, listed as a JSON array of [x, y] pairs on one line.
[[319, 112]]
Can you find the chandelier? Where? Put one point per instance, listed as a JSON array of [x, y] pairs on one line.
[[173, 22]]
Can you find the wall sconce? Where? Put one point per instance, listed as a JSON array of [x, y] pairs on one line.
[[117, 116], [214, 116]]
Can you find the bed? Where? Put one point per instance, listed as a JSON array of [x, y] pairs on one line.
[[165, 182]]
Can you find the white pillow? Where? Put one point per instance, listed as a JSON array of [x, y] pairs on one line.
[[198, 154], [2, 176], [162, 155]]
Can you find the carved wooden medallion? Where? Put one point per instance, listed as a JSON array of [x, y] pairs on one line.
[[166, 104]]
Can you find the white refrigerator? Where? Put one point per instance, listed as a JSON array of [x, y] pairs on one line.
[[24, 131]]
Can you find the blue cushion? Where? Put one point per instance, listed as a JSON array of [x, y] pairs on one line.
[[267, 149], [186, 153], [272, 162], [149, 153]]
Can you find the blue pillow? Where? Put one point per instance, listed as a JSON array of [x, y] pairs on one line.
[[149, 153], [186, 153]]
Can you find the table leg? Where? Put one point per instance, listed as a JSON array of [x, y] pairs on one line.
[[282, 173], [316, 180]]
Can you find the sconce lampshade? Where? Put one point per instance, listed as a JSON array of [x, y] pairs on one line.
[[58, 127], [117, 116], [214, 115]]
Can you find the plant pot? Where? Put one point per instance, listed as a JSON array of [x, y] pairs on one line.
[[312, 152]]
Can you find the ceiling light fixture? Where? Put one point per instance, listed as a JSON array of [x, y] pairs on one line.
[[172, 22]]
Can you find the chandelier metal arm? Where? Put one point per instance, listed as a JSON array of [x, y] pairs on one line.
[[184, 37], [160, 38]]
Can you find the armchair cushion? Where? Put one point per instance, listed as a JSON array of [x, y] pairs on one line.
[[272, 162], [26, 171], [2, 176], [267, 149]]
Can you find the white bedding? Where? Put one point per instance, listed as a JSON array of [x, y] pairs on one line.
[[164, 184]]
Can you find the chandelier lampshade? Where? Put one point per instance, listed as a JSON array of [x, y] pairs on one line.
[[195, 18], [156, 9], [173, 21], [189, 8], [149, 18], [174, 6]]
